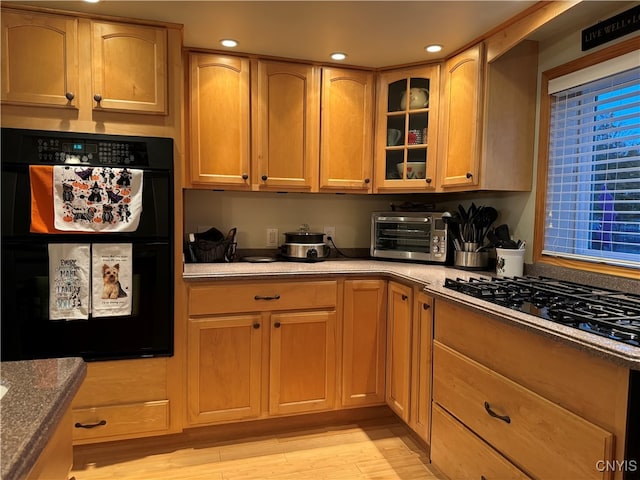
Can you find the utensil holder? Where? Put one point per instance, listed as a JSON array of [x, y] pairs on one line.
[[471, 260]]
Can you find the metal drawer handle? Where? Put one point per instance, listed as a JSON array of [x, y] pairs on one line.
[[267, 297], [504, 418], [91, 425]]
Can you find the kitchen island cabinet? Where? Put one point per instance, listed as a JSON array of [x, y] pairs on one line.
[[41, 65], [259, 349], [36, 417]]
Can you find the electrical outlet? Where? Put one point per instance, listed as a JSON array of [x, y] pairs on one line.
[[272, 237], [330, 231]]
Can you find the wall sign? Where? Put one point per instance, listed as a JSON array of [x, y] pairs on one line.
[[612, 28]]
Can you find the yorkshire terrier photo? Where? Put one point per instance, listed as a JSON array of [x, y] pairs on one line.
[[111, 284]]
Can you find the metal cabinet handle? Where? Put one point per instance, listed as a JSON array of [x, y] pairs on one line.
[[367, 180], [426, 306], [98, 98], [469, 175], [267, 297], [428, 180], [504, 418], [277, 324], [245, 176], [256, 325], [404, 297], [264, 178], [69, 96], [90, 425]]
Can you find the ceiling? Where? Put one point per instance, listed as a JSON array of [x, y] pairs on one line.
[[372, 33]]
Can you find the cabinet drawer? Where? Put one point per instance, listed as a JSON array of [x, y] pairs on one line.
[[579, 381], [120, 420], [542, 438], [261, 297], [459, 453]]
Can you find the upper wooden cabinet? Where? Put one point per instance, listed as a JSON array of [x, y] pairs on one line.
[[219, 113], [406, 131], [488, 120], [460, 141], [42, 65], [129, 67], [286, 114], [39, 59], [346, 131]]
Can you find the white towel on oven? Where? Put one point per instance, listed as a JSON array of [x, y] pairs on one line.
[[69, 280], [112, 274], [96, 199]]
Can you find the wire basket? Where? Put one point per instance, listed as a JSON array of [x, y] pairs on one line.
[[212, 251], [206, 251]]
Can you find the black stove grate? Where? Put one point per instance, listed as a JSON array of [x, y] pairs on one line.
[[608, 313]]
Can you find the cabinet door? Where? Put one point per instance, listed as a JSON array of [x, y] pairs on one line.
[[406, 132], [302, 366], [129, 68], [346, 149], [287, 113], [400, 307], [224, 365], [462, 122], [39, 59], [421, 366], [364, 342], [219, 132]]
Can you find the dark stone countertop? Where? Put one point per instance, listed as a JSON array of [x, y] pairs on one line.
[[39, 393]]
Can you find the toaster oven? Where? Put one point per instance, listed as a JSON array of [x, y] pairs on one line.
[[417, 236]]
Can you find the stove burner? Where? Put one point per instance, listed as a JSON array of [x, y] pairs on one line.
[[608, 313]]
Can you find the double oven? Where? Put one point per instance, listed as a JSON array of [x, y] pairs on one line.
[[30, 330]]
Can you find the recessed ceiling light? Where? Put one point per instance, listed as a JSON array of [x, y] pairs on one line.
[[92, 1], [227, 42], [338, 56], [433, 48]]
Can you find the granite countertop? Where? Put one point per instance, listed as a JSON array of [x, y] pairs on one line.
[[39, 393], [431, 277]]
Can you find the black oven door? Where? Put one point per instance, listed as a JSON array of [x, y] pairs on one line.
[[27, 332]]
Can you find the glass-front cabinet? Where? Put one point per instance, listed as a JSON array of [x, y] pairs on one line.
[[406, 132]]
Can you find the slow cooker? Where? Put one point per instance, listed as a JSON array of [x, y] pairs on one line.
[[304, 246]]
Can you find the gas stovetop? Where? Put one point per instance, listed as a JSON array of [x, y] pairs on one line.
[[609, 313]]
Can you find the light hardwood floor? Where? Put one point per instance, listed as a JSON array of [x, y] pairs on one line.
[[382, 450]]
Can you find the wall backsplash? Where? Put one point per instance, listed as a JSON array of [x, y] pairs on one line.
[[253, 212]]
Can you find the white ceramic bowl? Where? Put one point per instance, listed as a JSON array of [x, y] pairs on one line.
[[414, 169]]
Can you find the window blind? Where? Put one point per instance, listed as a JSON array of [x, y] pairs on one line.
[[593, 183]]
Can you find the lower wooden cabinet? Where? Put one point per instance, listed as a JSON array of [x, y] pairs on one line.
[[364, 337], [224, 362], [278, 357], [549, 410], [302, 362], [461, 454], [421, 365], [120, 400], [399, 315]]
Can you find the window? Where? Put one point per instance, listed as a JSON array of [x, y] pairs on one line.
[[592, 192]]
